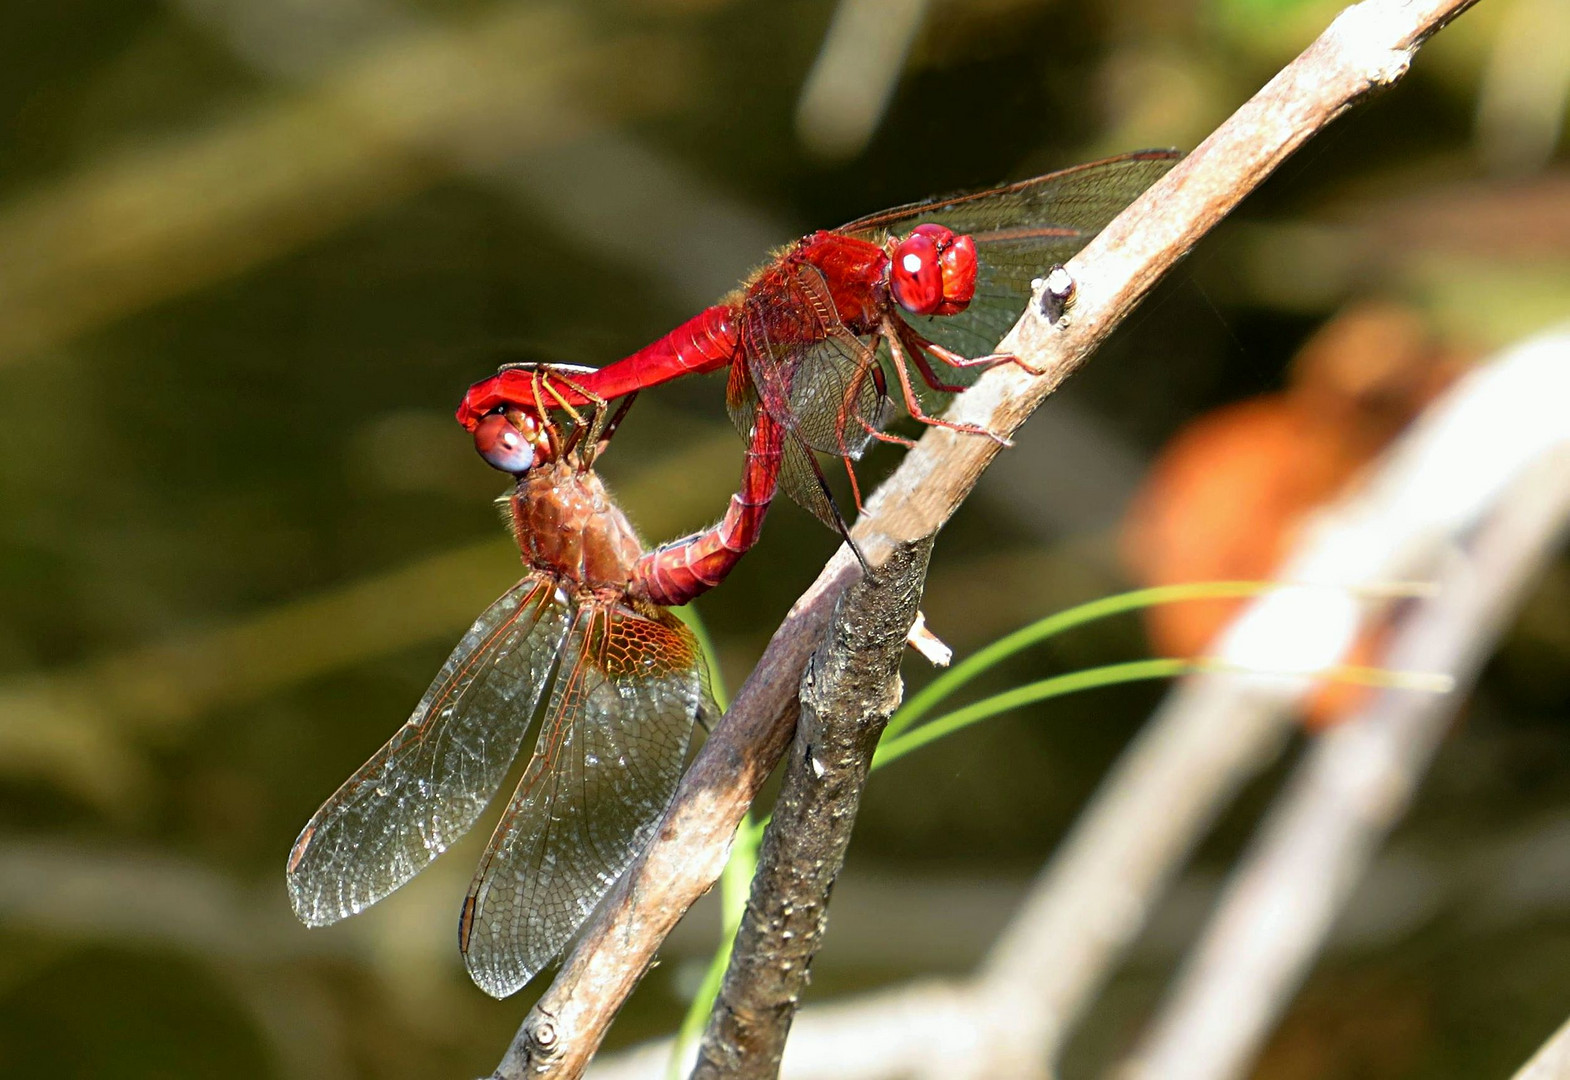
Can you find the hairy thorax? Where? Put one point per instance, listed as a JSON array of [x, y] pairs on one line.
[[848, 273], [566, 524]]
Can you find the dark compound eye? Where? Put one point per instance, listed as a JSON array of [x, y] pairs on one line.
[[503, 446]]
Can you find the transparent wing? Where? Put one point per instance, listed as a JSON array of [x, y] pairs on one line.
[[610, 751], [424, 788], [820, 382], [840, 396], [800, 476], [815, 377], [1081, 199], [1021, 230]]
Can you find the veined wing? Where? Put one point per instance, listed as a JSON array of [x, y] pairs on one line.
[[1081, 199], [815, 377], [800, 476], [1021, 230], [610, 751], [822, 384], [838, 397], [424, 788]]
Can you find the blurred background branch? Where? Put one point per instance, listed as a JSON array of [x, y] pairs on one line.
[[379, 105], [1314, 848], [141, 227], [1552, 1061]]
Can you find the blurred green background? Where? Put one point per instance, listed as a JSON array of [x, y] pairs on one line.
[[251, 253]]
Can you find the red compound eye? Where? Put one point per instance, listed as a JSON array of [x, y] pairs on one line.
[[915, 277], [958, 263], [933, 271], [504, 446]]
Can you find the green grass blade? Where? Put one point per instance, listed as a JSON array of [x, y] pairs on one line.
[[957, 676], [899, 739], [1136, 671], [688, 613], [735, 884], [1109, 675]]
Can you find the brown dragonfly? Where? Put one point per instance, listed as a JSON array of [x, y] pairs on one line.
[[622, 682]]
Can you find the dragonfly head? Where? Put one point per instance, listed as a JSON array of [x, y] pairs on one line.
[[513, 442], [933, 272]]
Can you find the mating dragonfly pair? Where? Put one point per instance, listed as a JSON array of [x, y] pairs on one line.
[[812, 341]]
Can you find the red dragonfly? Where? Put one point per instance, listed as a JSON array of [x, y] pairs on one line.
[[623, 682], [812, 336]]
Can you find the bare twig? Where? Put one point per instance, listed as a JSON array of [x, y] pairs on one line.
[[1368, 46], [1359, 780], [848, 693], [1552, 1060]]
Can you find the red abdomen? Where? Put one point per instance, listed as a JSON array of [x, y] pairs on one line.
[[705, 342]]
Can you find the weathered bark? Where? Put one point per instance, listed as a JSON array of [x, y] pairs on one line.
[[850, 689]]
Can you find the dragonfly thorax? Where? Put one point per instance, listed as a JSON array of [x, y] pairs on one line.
[[566, 525], [850, 273]]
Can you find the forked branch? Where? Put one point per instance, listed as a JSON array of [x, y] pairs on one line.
[[1369, 46], [1472, 494]]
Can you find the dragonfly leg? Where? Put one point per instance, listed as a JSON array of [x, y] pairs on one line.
[[918, 347], [609, 427], [873, 428], [954, 359], [556, 384], [913, 404], [847, 458], [553, 386], [855, 485], [884, 436]]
